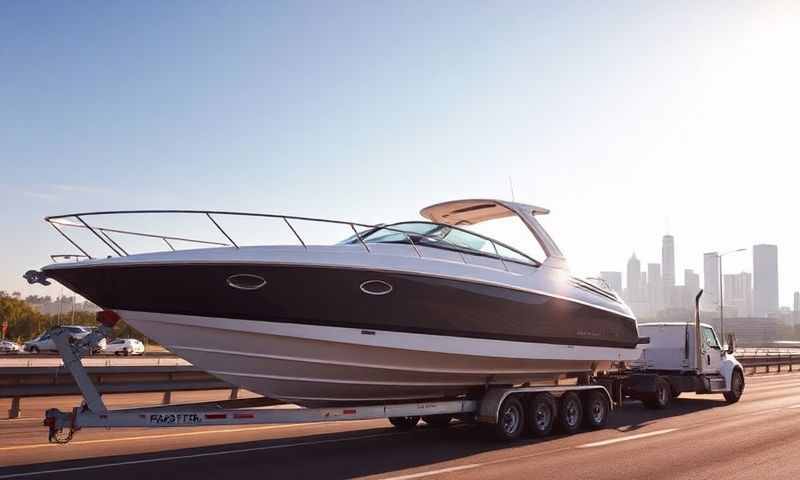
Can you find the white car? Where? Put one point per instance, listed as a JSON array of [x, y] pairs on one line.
[[7, 346], [125, 346], [43, 343]]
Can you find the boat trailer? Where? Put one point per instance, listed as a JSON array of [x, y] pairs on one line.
[[492, 408]]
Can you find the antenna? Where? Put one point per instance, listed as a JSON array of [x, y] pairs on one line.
[[511, 186]]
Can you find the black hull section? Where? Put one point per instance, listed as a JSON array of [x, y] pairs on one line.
[[333, 297]]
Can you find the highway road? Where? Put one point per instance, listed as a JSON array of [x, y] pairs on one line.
[[698, 437]]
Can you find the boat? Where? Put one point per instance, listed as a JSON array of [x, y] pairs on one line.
[[416, 310]]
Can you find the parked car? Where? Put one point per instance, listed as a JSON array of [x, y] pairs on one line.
[[7, 346], [125, 346], [44, 343]]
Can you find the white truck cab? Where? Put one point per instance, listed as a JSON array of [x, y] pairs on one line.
[[677, 359]]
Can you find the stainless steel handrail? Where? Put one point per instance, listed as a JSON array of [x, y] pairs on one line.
[[102, 233]]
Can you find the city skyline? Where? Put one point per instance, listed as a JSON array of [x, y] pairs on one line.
[[746, 293]]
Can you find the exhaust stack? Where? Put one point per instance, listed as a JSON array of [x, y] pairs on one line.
[[698, 353]]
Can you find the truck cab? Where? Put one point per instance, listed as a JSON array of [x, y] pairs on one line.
[[676, 357]]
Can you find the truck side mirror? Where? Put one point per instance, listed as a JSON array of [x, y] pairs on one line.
[[731, 344]]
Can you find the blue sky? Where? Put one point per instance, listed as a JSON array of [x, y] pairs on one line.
[[624, 118]]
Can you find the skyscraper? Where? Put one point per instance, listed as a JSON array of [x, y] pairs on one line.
[[710, 280], [765, 280], [738, 292], [654, 290], [691, 285], [613, 279], [634, 290], [668, 269]]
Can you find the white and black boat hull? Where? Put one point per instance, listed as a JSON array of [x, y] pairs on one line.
[[310, 327]]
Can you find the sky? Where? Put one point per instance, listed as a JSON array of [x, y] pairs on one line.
[[627, 119]]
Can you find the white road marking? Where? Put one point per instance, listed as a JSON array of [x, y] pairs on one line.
[[762, 412], [435, 472], [197, 455], [794, 406], [628, 438]]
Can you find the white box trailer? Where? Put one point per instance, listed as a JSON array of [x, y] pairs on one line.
[[672, 363]]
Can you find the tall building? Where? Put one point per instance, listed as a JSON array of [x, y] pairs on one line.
[[796, 302], [634, 279], [765, 280], [654, 290], [668, 269], [738, 293], [691, 285], [710, 298], [613, 279]]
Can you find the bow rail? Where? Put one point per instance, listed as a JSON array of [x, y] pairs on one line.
[[104, 234]]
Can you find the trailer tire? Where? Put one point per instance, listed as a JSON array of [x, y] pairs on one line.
[[541, 414], [595, 409], [661, 398], [737, 387], [510, 420], [439, 421], [404, 423], [570, 413]]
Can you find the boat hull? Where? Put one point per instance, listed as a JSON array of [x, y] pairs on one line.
[[313, 365], [309, 327]]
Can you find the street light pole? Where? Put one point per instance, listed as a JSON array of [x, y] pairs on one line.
[[721, 301]]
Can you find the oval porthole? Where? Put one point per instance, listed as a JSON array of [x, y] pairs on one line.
[[375, 287], [246, 281]]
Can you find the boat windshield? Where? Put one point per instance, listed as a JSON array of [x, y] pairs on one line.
[[439, 236]]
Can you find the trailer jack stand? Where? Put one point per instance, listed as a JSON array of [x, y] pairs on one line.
[[61, 425]]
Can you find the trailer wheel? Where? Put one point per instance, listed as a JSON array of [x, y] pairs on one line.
[[404, 423], [439, 421], [661, 398], [737, 387], [541, 414], [510, 420], [596, 407], [570, 413]]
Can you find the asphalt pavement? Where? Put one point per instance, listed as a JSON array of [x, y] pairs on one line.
[[698, 437]]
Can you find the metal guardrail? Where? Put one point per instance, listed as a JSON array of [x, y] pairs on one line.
[[769, 359], [22, 382]]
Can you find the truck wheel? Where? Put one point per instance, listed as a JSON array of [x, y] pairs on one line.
[[570, 413], [596, 409], [34, 350], [737, 387], [661, 398], [541, 414], [510, 420], [404, 423], [440, 421]]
